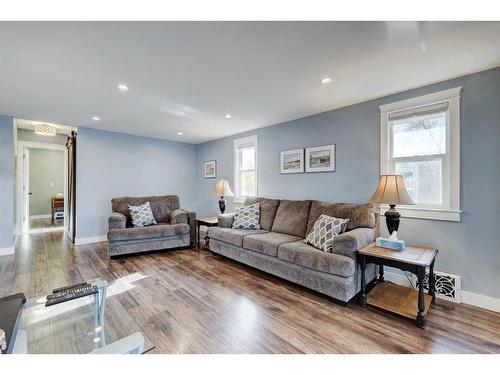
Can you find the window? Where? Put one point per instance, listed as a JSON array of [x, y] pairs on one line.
[[245, 168], [420, 140]]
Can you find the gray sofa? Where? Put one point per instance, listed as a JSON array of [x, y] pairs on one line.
[[176, 227], [278, 247]]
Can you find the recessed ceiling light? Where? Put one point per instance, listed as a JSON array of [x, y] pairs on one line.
[[180, 133], [122, 87], [326, 81], [96, 118], [228, 116]]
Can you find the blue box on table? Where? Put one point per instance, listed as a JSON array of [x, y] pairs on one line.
[[387, 243]]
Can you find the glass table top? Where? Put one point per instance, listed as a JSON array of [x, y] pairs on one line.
[[71, 328]]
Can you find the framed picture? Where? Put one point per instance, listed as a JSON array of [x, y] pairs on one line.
[[210, 168], [320, 159], [292, 161]]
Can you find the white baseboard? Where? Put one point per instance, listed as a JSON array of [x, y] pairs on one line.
[[44, 216], [6, 250], [470, 298], [87, 240], [485, 302]]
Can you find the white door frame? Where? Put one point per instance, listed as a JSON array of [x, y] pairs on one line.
[[21, 221], [25, 187]]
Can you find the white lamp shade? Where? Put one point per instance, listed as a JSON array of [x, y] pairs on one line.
[[222, 189], [391, 190]]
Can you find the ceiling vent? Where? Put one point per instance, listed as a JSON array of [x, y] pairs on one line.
[[45, 129]]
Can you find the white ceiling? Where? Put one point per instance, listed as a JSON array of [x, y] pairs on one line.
[[185, 76]]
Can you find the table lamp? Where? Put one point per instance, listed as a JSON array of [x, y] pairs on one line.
[[391, 190], [222, 190]]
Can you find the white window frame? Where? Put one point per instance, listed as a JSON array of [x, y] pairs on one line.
[[238, 144], [450, 210]]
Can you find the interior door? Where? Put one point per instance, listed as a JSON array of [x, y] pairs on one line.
[[26, 189], [71, 188]]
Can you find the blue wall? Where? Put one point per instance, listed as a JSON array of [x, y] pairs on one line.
[[114, 164], [468, 248], [6, 181]]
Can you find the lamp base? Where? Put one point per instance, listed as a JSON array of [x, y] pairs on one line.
[[222, 205], [393, 236], [392, 219]]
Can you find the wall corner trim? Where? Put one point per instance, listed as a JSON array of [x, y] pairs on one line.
[[469, 298], [87, 240]]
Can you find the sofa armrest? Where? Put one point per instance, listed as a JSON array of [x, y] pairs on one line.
[[183, 216], [179, 217], [117, 220], [349, 242], [225, 220]]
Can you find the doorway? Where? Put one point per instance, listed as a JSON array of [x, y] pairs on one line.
[[45, 177], [43, 187]]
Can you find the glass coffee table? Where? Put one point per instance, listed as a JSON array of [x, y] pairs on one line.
[[91, 324]]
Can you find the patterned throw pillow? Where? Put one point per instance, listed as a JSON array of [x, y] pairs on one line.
[[247, 217], [324, 231], [142, 215]]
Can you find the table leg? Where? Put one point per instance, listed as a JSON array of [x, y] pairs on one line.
[[198, 236], [432, 282], [207, 237], [381, 273], [362, 296], [421, 305]]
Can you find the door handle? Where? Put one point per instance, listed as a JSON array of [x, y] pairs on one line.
[[30, 193]]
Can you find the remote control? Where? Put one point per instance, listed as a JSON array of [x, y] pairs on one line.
[[68, 287], [65, 294]]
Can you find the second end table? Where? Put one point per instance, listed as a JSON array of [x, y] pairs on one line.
[[211, 221], [396, 298]]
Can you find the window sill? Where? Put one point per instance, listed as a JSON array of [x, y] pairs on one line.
[[425, 213]]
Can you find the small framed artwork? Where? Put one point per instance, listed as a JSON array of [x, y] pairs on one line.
[[320, 159], [210, 168], [292, 161]]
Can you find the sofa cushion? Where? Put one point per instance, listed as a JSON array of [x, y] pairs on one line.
[[291, 218], [312, 258], [267, 243], [232, 236], [268, 208], [141, 215], [161, 205], [247, 217], [324, 231], [152, 231], [359, 215]]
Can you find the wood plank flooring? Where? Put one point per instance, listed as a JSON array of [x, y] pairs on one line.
[[192, 301]]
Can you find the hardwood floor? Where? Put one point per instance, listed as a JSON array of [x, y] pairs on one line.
[[191, 301], [41, 225]]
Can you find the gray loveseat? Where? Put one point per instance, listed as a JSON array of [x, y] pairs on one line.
[[176, 228], [278, 247]]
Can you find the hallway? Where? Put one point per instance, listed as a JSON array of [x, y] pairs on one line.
[[46, 225]]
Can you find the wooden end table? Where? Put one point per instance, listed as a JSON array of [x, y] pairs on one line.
[[207, 222], [397, 298]]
